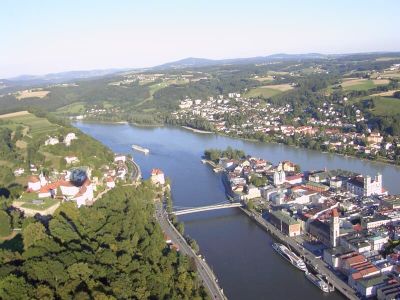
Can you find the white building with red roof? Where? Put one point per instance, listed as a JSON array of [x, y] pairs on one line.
[[157, 177], [34, 184]]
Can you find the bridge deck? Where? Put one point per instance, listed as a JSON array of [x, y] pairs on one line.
[[206, 208]]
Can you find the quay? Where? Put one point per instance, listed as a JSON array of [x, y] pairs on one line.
[[215, 167], [207, 276], [309, 258]]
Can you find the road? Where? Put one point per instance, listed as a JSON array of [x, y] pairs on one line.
[[309, 258], [206, 275], [136, 173]]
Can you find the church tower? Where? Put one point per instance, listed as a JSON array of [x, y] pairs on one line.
[[334, 229]]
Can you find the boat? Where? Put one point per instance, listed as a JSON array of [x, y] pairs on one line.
[[290, 256], [141, 149], [318, 281]]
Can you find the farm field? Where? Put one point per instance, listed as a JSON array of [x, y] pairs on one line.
[[385, 106], [36, 126], [268, 90], [362, 84], [74, 108], [31, 94]]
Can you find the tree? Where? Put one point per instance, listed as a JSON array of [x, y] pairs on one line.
[[32, 233], [5, 223], [250, 205]]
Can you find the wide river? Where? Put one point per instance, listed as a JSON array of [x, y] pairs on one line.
[[237, 250]]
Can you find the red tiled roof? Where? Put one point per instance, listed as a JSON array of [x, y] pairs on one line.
[[156, 172], [335, 213]]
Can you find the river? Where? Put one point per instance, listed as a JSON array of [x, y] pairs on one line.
[[238, 251]]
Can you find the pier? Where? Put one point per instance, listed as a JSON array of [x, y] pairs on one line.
[[309, 258]]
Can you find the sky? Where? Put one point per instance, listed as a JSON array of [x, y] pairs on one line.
[[46, 36]]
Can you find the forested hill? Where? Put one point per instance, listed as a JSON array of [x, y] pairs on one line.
[[112, 250]]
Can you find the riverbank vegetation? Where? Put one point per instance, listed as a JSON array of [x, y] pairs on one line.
[[229, 153], [112, 250]]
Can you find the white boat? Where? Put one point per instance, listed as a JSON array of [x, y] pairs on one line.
[[141, 149], [290, 256], [318, 281]]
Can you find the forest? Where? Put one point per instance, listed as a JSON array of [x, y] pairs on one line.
[[112, 250]]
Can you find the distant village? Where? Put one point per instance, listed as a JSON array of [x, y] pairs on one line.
[[346, 219], [335, 130]]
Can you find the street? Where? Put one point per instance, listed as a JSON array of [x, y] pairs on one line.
[[206, 275]]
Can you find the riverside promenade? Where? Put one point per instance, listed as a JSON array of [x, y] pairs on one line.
[[307, 256], [206, 275]]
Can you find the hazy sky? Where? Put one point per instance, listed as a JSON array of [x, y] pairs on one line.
[[42, 36]]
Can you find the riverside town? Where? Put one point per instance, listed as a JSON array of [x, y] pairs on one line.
[[200, 150]]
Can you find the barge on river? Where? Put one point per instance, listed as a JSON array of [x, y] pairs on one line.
[[140, 149]]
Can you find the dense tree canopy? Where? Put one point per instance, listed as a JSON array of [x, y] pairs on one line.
[[112, 250]]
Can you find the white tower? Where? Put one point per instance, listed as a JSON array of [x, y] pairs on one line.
[[335, 228]]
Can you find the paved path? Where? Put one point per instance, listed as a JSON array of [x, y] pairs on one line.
[[208, 278], [309, 258]]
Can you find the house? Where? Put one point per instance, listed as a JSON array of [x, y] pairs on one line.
[[157, 177], [374, 138], [19, 171], [110, 183], [71, 159], [51, 141], [119, 158], [69, 138], [288, 166], [295, 179], [34, 184], [253, 192]]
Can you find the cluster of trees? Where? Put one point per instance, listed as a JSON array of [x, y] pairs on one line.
[[230, 153], [112, 250], [198, 123]]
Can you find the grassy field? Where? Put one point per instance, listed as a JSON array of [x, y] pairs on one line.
[[268, 90], [36, 125], [31, 94], [72, 109], [47, 202], [385, 106], [362, 84]]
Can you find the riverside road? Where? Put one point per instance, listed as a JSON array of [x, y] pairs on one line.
[[208, 278]]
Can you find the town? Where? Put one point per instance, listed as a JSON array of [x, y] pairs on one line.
[[338, 124], [347, 220]]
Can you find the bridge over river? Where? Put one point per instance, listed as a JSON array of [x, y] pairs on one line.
[[190, 210]]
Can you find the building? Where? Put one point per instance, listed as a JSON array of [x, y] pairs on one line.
[[110, 183], [279, 177], [120, 158], [365, 186], [71, 159], [375, 138], [285, 223], [389, 291], [69, 138], [157, 177], [34, 184], [252, 192], [51, 141], [334, 228], [19, 171]]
